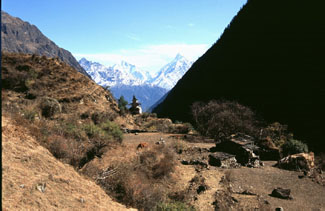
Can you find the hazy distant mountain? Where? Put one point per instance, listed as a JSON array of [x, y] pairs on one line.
[[271, 58], [21, 37], [168, 76], [125, 79], [146, 94]]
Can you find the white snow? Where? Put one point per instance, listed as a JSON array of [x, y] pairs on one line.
[[128, 74]]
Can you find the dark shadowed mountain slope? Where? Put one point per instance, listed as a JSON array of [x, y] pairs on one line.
[[18, 36], [271, 58]]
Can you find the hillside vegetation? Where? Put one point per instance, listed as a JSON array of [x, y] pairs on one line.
[[67, 112], [32, 179]]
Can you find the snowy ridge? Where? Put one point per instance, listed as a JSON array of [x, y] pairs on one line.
[[119, 74], [168, 76], [128, 80], [128, 74]]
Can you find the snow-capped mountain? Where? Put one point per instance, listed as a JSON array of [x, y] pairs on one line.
[[168, 76], [128, 80], [119, 74], [144, 76]]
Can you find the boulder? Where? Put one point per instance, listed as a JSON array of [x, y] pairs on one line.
[[281, 193], [298, 162], [223, 160], [243, 147], [195, 162], [268, 150]]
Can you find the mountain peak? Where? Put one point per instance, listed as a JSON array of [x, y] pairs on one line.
[[83, 59], [179, 56], [18, 36]]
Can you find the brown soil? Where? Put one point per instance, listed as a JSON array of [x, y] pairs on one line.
[[225, 185], [307, 195], [27, 167]]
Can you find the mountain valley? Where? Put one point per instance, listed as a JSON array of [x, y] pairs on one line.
[[127, 80], [238, 129]]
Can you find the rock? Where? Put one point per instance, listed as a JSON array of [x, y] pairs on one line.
[[82, 200], [281, 193], [247, 192], [268, 150], [195, 162], [41, 187], [298, 162], [243, 147], [161, 141], [223, 160]]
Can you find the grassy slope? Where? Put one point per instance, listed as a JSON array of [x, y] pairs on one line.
[[27, 164]]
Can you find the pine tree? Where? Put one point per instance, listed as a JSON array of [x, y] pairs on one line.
[[122, 105]]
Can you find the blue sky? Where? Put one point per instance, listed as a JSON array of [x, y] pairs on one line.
[[147, 33]]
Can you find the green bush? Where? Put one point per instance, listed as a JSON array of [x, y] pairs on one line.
[[72, 130], [112, 129], [122, 103], [293, 147], [94, 131], [173, 206]]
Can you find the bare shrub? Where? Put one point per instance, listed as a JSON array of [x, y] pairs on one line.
[[100, 117], [66, 150], [277, 133], [15, 80], [142, 182], [218, 119], [161, 125], [182, 128]]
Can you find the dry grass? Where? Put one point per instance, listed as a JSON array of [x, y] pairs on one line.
[[141, 182], [27, 167]]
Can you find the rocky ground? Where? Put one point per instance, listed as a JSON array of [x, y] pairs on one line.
[[239, 188]]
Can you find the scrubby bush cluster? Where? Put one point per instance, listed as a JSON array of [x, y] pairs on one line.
[[218, 119], [100, 117], [142, 182], [277, 133]]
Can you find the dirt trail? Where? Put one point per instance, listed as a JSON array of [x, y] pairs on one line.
[[185, 173], [206, 198], [32, 179]]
